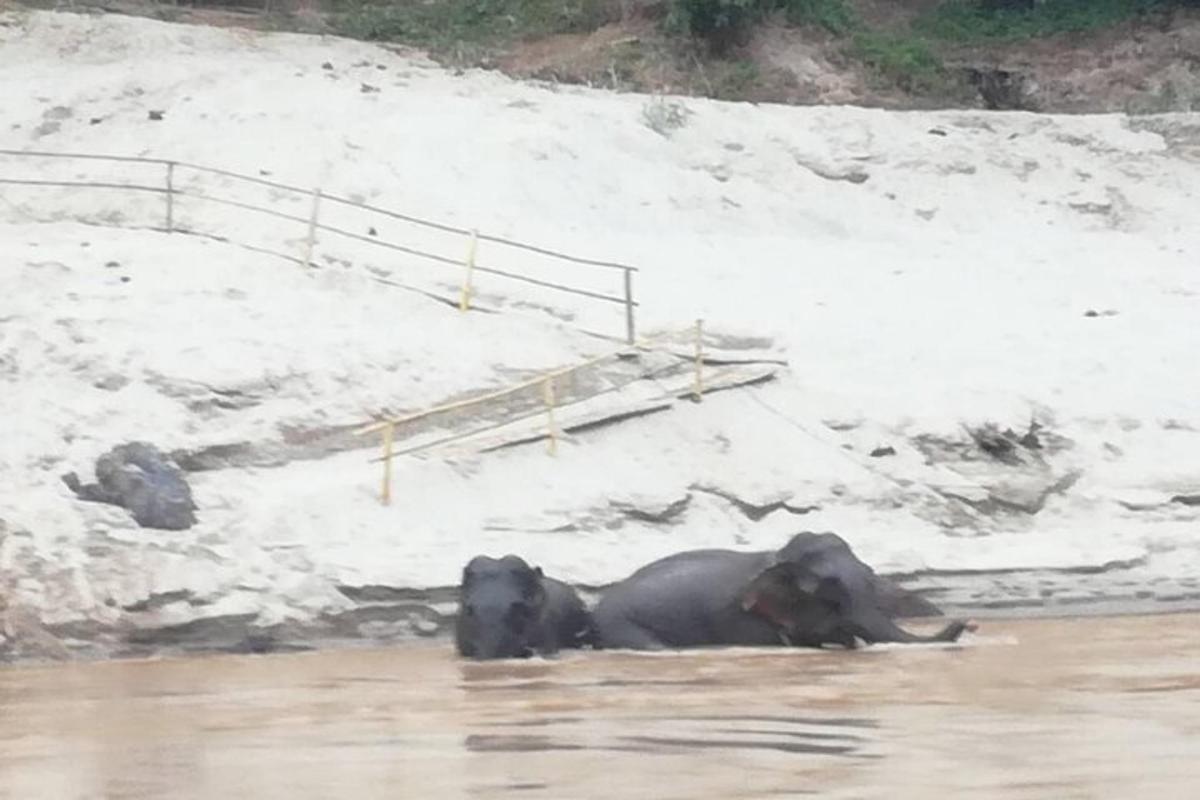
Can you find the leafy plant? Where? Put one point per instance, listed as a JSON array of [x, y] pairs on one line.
[[664, 117], [907, 61], [835, 16], [976, 20], [721, 23], [442, 22]]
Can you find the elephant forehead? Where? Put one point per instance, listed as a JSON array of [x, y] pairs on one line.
[[482, 564], [491, 588], [510, 564], [815, 544], [497, 585]]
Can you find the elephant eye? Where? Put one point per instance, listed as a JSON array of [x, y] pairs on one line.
[[469, 611], [519, 612]]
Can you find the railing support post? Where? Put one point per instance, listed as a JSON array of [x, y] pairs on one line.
[[551, 428], [310, 240], [464, 298], [630, 331], [389, 436], [170, 197]]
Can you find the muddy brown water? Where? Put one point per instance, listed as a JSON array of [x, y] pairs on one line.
[[1048, 708]]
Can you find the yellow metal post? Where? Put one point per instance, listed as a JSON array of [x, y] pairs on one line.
[[699, 384], [389, 436], [464, 301], [552, 430]]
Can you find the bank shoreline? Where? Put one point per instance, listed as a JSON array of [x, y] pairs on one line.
[[214, 637]]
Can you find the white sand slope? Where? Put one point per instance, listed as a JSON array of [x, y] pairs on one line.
[[921, 272]]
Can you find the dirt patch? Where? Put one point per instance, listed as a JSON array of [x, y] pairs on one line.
[[1135, 67], [616, 56], [820, 73]]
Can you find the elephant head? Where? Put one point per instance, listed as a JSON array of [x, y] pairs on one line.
[[818, 592], [500, 608]]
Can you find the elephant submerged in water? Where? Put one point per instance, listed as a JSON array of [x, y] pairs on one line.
[[812, 592], [508, 609]]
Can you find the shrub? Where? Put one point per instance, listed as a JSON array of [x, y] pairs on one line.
[[722, 23], [474, 21], [975, 20], [835, 16], [905, 61]]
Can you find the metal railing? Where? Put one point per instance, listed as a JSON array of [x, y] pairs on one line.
[[547, 382], [173, 188]]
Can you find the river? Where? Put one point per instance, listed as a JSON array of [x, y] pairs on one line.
[[1090, 707]]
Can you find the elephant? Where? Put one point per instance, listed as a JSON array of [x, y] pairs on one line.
[[509, 609], [812, 592], [138, 477]]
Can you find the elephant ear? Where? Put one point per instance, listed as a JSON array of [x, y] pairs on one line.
[[532, 587], [787, 594], [470, 571], [778, 592]]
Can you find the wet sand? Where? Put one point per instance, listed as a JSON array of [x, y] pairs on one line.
[[1046, 708]]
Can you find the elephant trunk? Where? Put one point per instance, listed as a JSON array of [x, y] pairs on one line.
[[874, 626]]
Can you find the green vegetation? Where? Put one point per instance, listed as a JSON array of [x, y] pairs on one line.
[[978, 20], [721, 23], [905, 56], [442, 23], [734, 80], [909, 58], [835, 16], [907, 61], [718, 22]]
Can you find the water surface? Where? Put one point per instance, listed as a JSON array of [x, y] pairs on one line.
[[1048, 708]]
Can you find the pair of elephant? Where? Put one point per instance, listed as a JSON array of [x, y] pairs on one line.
[[812, 592]]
